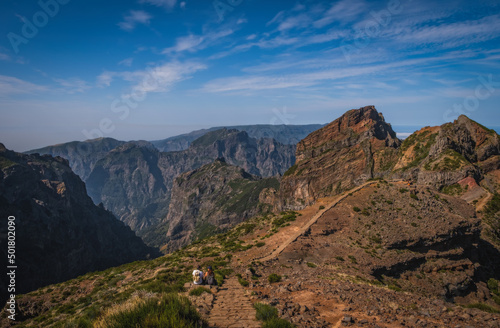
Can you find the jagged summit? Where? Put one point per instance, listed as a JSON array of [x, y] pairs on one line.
[[355, 123], [353, 148]]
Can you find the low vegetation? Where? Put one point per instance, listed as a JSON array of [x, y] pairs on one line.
[[168, 311], [273, 277], [269, 316], [198, 291]]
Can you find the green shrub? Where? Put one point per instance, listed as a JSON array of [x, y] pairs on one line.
[[273, 277], [243, 282], [265, 311], [353, 259], [260, 244], [356, 209], [340, 258], [277, 323], [482, 307], [170, 311], [413, 196], [198, 291], [284, 218], [311, 265], [321, 207], [493, 286]]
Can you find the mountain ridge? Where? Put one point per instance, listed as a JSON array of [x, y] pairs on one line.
[[60, 233]]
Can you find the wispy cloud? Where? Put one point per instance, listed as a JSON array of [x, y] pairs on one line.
[[314, 77], [156, 79], [133, 18], [185, 43], [11, 86], [73, 85], [193, 43], [4, 56], [126, 62], [167, 4], [342, 11], [453, 34], [162, 78]]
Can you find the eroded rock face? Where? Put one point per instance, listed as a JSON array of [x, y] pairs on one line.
[[135, 182], [444, 155], [353, 148], [361, 145], [215, 197], [60, 233]]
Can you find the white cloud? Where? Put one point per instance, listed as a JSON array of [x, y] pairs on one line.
[[4, 57], [162, 78], [133, 18], [105, 79], [454, 34], [342, 11], [312, 77], [11, 85], [157, 79], [193, 43], [184, 43], [73, 85], [126, 62], [168, 4]]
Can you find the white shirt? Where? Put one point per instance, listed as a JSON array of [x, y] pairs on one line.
[[200, 273]]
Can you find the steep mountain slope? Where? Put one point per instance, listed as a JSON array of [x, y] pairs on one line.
[[60, 233], [130, 183], [82, 156], [444, 155], [355, 147], [285, 134], [135, 182], [211, 199]]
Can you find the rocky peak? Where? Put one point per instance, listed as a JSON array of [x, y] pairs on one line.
[[212, 198], [444, 155], [355, 147], [354, 126]]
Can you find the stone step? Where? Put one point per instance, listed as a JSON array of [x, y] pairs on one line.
[[232, 308]]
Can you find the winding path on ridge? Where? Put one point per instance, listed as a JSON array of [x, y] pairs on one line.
[[232, 308], [313, 220]]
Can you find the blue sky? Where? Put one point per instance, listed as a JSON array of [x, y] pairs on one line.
[[149, 69]]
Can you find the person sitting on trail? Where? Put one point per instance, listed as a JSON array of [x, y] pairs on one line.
[[198, 276], [209, 277]]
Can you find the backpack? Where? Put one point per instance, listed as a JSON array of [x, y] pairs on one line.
[[211, 280], [197, 277]]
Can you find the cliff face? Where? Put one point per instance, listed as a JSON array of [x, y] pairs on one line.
[[60, 233], [135, 182], [82, 156], [213, 198], [444, 155], [353, 148], [130, 183]]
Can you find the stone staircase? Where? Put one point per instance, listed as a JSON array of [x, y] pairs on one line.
[[232, 308]]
